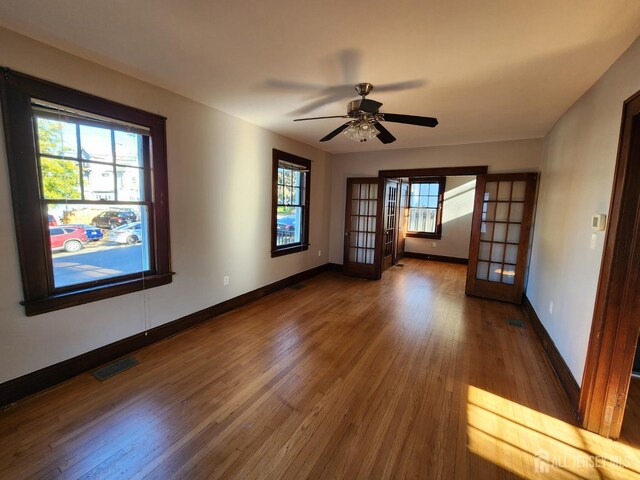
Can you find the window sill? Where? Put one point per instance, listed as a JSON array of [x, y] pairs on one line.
[[434, 236], [64, 300], [289, 249]]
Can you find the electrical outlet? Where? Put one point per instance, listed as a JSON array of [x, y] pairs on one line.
[[225, 280], [319, 253], [434, 244], [550, 308]]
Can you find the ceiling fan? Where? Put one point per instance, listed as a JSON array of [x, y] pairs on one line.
[[365, 119]]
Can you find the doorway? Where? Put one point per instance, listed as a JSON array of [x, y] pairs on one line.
[[616, 320]]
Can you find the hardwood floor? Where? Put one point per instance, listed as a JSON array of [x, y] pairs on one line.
[[630, 433], [344, 378]]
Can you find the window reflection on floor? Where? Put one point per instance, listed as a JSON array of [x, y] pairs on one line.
[[536, 446]]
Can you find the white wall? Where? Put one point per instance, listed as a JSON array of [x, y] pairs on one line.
[[457, 210], [577, 177], [511, 156], [220, 211]]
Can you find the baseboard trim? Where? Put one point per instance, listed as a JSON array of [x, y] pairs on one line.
[[334, 267], [558, 364], [34, 382], [437, 258]]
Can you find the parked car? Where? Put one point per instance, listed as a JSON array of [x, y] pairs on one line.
[[129, 234], [93, 233], [114, 218], [67, 238], [286, 223], [52, 221]]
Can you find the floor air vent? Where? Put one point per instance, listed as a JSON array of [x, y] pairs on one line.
[[115, 368], [515, 323], [297, 286]]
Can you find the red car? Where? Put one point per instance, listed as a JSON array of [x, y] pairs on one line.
[[69, 239]]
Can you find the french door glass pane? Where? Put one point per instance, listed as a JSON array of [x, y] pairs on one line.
[[502, 213]]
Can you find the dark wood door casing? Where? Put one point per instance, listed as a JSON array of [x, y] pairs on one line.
[[616, 319]]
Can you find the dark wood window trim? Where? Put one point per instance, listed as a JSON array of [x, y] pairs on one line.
[[441, 181], [304, 164], [17, 91]]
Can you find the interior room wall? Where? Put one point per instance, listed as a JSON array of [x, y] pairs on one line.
[[457, 210], [220, 213], [576, 182], [508, 156]]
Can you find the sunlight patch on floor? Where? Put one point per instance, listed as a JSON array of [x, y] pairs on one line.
[[536, 446]]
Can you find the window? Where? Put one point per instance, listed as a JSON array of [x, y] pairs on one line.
[[89, 190], [425, 207], [290, 206]]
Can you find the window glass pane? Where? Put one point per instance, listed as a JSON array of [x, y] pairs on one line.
[[509, 274], [128, 148], [517, 210], [433, 202], [486, 231], [504, 191], [130, 184], [514, 233], [518, 191], [495, 272], [483, 251], [288, 225], [497, 252], [511, 254], [57, 138], [500, 232], [491, 191], [98, 181], [482, 271], [60, 179], [96, 144], [97, 243], [502, 212]]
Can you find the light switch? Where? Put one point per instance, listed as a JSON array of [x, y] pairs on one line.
[[594, 237]]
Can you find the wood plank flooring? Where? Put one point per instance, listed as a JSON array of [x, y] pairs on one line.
[[345, 378]]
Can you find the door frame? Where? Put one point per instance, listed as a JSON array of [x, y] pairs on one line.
[[615, 326], [431, 172]]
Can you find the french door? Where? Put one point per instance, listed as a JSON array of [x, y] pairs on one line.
[[390, 223], [500, 233], [362, 235], [403, 219]]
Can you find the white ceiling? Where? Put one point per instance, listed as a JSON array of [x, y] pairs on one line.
[[488, 70]]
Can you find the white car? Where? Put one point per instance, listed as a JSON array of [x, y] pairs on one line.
[[129, 234]]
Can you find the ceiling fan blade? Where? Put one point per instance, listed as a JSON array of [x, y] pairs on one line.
[[385, 135], [334, 133], [397, 87], [319, 118], [410, 119], [369, 106]]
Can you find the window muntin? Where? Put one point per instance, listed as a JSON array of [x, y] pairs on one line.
[[425, 207], [127, 179], [290, 210]]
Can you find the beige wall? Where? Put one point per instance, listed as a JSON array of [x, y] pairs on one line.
[[219, 197], [577, 176], [457, 210], [511, 156]]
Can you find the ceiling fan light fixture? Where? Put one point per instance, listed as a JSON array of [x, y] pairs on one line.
[[361, 130]]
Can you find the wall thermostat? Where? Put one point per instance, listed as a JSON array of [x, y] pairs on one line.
[[599, 221]]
